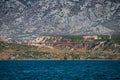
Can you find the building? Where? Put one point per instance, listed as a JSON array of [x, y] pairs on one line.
[[91, 37]]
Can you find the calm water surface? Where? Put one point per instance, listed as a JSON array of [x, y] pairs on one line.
[[60, 70]]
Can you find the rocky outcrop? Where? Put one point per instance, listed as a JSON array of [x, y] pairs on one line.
[[27, 19], [46, 39]]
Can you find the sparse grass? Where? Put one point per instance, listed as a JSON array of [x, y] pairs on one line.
[[22, 52]]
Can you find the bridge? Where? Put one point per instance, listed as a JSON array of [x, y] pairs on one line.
[[72, 45]]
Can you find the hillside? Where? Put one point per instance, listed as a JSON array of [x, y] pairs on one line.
[[28, 19], [109, 49]]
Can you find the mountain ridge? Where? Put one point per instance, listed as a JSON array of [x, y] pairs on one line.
[[30, 19]]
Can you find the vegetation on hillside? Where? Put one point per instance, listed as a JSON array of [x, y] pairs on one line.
[[116, 39], [106, 50], [72, 38]]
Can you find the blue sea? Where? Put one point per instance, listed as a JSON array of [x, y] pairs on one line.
[[60, 70]]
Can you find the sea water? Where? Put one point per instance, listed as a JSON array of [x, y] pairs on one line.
[[60, 70]]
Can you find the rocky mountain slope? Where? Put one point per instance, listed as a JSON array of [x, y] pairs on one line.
[[28, 19]]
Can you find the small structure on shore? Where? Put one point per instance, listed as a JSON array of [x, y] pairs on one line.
[[91, 37]]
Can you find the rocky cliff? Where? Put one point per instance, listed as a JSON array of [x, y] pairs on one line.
[[27, 19]]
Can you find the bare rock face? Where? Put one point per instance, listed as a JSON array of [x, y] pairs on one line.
[[27, 19]]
